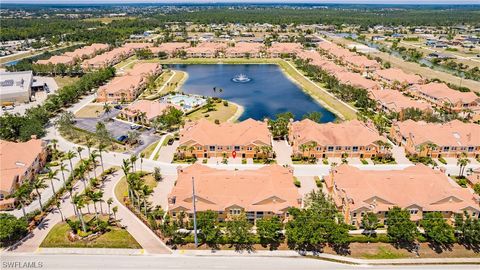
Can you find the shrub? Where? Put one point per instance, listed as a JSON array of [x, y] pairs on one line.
[[442, 160], [318, 181], [204, 161], [297, 182], [12, 229], [325, 161], [225, 103], [364, 162]]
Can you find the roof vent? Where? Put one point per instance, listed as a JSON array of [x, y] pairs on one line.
[[20, 164]]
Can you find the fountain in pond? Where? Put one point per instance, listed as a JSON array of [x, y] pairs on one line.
[[241, 78]]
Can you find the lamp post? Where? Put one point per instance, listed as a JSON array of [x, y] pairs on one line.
[[194, 213]]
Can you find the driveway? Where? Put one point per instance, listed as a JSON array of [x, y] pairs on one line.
[[398, 152], [283, 151], [165, 154], [307, 185]]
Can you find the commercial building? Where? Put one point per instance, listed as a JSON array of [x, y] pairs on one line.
[[144, 111], [15, 87]]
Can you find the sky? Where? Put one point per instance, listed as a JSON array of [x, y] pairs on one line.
[[249, 1]]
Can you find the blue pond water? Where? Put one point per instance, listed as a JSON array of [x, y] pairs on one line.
[[268, 92]]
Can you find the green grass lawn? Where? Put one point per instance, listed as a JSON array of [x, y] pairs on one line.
[[149, 150], [121, 189], [384, 253], [221, 113], [115, 238], [65, 80]]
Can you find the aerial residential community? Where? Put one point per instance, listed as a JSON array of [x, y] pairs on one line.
[[240, 135]]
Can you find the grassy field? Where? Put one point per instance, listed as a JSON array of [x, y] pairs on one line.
[[315, 90], [65, 80], [107, 20], [222, 113], [121, 189], [115, 238], [149, 150], [90, 111]]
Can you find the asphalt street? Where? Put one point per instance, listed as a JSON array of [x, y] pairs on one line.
[[165, 262]]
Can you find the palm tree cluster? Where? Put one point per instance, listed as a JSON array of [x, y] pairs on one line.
[[138, 191]]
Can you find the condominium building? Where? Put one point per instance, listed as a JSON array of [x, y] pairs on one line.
[[395, 101], [245, 49], [144, 111], [279, 49], [265, 192], [450, 139], [206, 50], [20, 162], [397, 78], [418, 188], [170, 48], [443, 96], [205, 139], [353, 138]]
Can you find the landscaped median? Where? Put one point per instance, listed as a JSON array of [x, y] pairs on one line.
[[113, 236]]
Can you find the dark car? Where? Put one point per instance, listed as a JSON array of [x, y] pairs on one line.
[[118, 107], [122, 138]]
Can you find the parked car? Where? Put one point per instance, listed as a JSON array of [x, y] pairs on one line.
[[134, 127], [122, 138], [118, 107]]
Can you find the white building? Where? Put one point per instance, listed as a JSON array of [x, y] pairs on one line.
[[15, 87]]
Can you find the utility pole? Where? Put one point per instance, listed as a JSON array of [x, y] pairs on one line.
[[194, 213]]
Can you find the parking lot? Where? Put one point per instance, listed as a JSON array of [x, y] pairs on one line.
[[118, 128]]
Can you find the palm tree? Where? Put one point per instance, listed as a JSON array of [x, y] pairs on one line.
[[95, 197], [69, 188], [79, 203], [70, 154], [115, 210], [81, 171], [79, 150], [57, 204], [107, 108], [62, 169], [145, 191], [21, 195], [52, 176], [89, 143], [126, 167], [142, 156], [463, 161], [87, 163], [133, 160], [109, 203], [39, 183], [93, 158], [101, 147], [54, 143], [99, 194]]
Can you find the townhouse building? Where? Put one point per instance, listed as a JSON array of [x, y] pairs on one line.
[[419, 189], [205, 139], [436, 140], [353, 138], [229, 192]]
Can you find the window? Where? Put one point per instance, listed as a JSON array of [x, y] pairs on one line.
[[347, 148], [235, 211], [2, 197], [446, 148], [199, 148], [355, 149], [219, 148], [249, 148], [354, 214], [318, 148], [471, 148], [413, 211], [354, 222], [330, 148], [338, 148], [212, 148], [237, 148]]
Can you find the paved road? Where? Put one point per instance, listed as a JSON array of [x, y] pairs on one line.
[[104, 262]]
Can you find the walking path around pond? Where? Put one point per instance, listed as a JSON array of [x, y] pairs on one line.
[[237, 114]]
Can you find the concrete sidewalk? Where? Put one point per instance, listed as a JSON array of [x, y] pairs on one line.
[[91, 251], [329, 257]]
